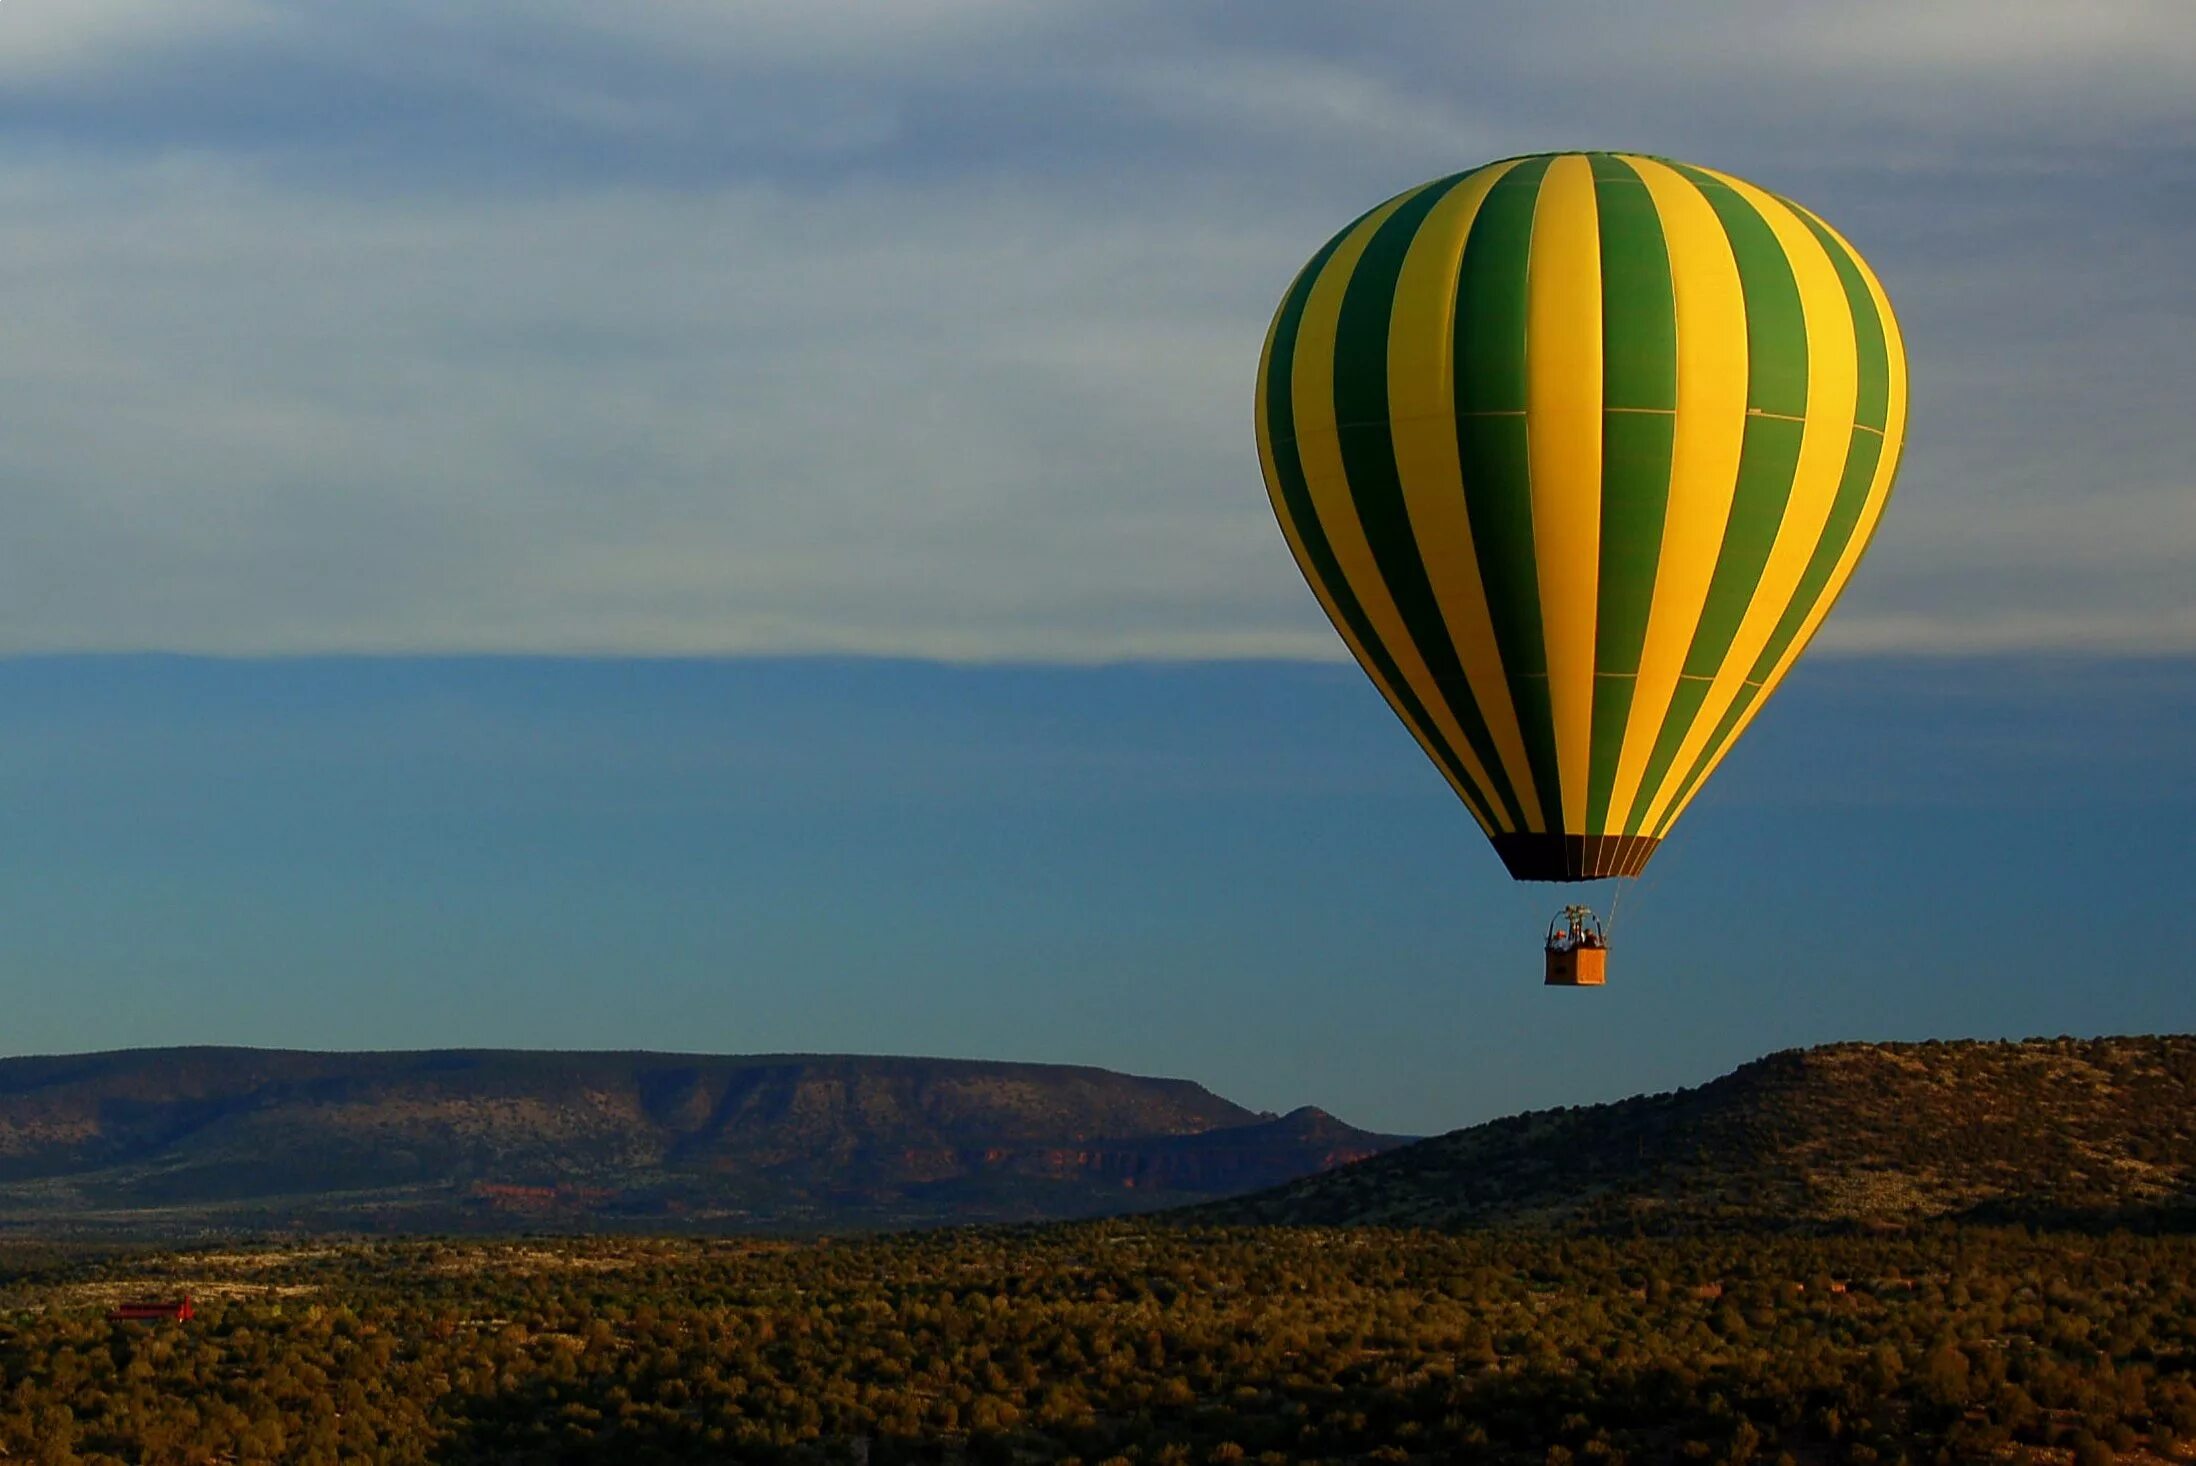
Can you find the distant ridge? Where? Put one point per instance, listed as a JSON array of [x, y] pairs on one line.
[[177, 1139], [2047, 1131]]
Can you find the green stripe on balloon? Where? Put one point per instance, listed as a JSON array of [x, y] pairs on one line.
[[1304, 518], [1776, 389], [1490, 440], [1375, 483], [1863, 453], [1776, 397], [1872, 408], [1862, 456], [1638, 427]]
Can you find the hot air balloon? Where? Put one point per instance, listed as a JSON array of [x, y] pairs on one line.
[[1577, 450]]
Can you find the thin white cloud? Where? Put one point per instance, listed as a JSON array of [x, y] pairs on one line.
[[928, 329], [2025, 39], [64, 39], [633, 421], [1306, 99], [2068, 568]]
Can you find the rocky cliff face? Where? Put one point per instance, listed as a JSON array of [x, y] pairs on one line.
[[240, 1137]]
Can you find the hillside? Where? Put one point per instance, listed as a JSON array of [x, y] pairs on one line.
[[2059, 1131], [171, 1139]]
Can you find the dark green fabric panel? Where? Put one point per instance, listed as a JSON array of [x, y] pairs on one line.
[[1864, 452], [1280, 411], [1776, 396], [1492, 451], [1861, 458], [1635, 487], [1612, 711], [1776, 325], [1776, 355], [1490, 356], [1638, 308], [1279, 406], [1376, 486], [1635, 493], [1491, 448], [1634, 499], [1684, 707], [1767, 457], [1724, 726], [1361, 333], [1639, 371], [1872, 408]]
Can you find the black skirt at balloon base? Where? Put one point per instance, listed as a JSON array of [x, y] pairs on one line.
[[1574, 857]]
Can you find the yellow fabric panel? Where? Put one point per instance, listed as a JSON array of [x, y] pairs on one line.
[[1879, 494], [1710, 427], [1833, 388], [1319, 448], [1563, 447], [1422, 421], [1295, 540], [1894, 435]]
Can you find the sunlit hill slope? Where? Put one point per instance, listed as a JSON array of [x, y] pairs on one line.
[[2057, 1132]]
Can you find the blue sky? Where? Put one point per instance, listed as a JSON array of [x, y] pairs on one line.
[[1238, 872], [892, 367]]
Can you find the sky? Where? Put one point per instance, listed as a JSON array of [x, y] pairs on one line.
[[735, 526]]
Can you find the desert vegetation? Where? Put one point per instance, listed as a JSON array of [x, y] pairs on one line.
[[1114, 1343]]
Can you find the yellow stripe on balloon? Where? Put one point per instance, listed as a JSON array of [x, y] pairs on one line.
[[1422, 422], [1894, 426], [1710, 426], [1563, 447], [1833, 390], [1879, 494], [1294, 536], [1319, 447]]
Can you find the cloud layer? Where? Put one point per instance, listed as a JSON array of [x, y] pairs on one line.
[[927, 329]]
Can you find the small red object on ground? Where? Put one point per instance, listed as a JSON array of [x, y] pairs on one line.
[[179, 1310]]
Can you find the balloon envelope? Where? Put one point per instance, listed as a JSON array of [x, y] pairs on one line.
[[1577, 450]]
